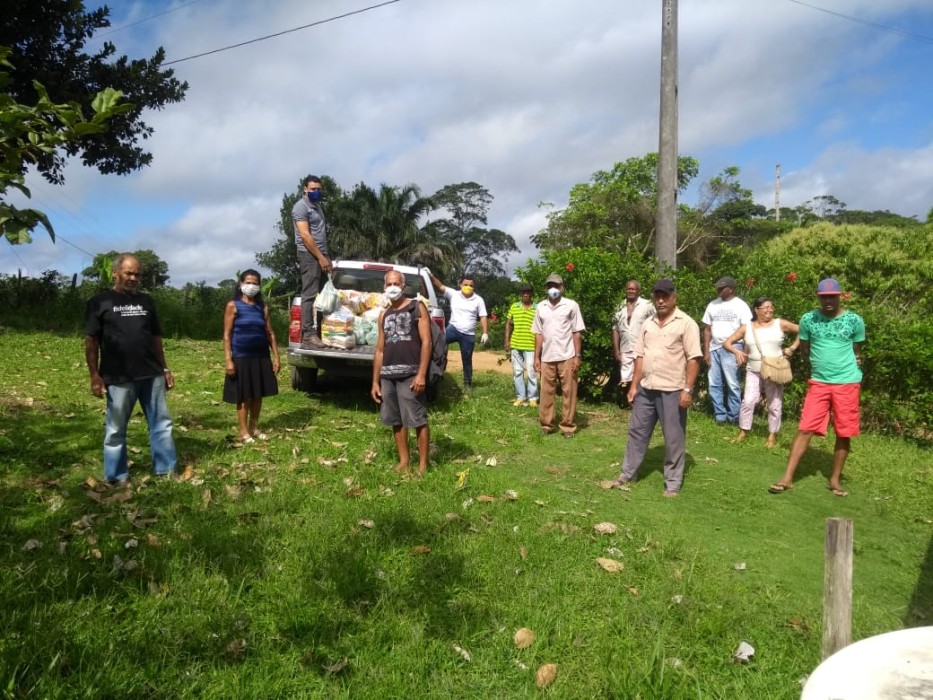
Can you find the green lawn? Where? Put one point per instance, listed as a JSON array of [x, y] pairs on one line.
[[306, 568]]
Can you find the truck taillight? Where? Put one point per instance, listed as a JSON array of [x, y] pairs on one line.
[[294, 324]]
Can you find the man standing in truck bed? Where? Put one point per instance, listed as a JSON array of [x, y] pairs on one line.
[[313, 260]]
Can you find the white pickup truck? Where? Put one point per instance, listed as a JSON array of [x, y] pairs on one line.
[[357, 361]]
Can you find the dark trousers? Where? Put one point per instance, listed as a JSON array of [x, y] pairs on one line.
[[648, 408], [467, 341], [310, 270]]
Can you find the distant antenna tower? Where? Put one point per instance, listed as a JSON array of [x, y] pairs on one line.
[[777, 192]]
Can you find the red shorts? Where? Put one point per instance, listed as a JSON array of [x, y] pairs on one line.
[[839, 399]]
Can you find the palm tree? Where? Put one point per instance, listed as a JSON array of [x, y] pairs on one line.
[[384, 226]]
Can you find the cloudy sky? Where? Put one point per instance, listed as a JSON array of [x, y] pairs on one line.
[[526, 97]]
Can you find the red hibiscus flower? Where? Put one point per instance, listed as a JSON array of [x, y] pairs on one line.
[[791, 276], [569, 267]]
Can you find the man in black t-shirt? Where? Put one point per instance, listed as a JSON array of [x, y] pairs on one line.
[[123, 349]]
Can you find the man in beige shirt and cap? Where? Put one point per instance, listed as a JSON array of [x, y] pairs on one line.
[[557, 326], [667, 361]]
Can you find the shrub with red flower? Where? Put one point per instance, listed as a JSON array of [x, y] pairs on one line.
[[791, 277], [846, 296], [493, 318], [750, 282], [569, 267]]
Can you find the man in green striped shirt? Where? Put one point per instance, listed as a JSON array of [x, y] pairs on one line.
[[520, 343]]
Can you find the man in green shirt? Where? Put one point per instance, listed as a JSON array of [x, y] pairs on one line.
[[520, 343], [832, 337]]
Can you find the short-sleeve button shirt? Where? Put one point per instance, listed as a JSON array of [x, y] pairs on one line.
[[556, 324], [666, 349]]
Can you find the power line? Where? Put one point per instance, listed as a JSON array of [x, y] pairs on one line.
[[146, 19], [867, 23], [287, 31]]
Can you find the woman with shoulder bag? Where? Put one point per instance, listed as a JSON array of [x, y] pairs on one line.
[[764, 338]]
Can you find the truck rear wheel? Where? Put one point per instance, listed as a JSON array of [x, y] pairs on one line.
[[304, 378]]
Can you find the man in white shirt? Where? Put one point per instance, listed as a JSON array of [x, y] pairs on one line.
[[723, 316], [626, 325], [558, 328], [466, 309]]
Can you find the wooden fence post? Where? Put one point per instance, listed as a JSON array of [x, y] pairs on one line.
[[837, 586]]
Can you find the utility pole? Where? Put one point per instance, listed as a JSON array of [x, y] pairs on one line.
[[777, 193], [665, 244]]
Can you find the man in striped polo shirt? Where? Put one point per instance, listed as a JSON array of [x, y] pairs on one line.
[[520, 343]]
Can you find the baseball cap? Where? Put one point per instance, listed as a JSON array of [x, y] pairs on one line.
[[726, 282], [554, 278], [829, 286], [665, 286], [527, 288]]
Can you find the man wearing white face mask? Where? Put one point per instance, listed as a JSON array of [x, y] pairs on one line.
[[400, 371], [558, 328], [466, 308]]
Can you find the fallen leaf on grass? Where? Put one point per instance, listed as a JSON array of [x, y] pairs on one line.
[[120, 565], [545, 675], [610, 565], [368, 524], [524, 638], [96, 553], [711, 460], [56, 502], [798, 625], [553, 471], [233, 491], [152, 540], [486, 499], [236, 649], [523, 552], [187, 474], [463, 653], [355, 491], [633, 590], [135, 450], [85, 523], [677, 599], [467, 503], [605, 528], [131, 543], [337, 667], [121, 496], [744, 653], [324, 462], [32, 545], [206, 498], [369, 456], [740, 566], [491, 462], [615, 552], [462, 478], [510, 495], [420, 549]]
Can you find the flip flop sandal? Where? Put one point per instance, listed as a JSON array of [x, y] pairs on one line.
[[779, 488], [842, 493], [247, 440]]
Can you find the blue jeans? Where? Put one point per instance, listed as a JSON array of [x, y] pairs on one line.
[[466, 341], [121, 400], [724, 385], [524, 361]]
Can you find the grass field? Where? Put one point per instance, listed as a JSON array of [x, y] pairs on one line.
[[305, 567]]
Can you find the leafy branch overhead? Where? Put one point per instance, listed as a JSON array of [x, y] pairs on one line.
[[30, 133]]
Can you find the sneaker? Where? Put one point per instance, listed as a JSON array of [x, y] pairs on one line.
[[533, 403], [311, 342], [519, 402]]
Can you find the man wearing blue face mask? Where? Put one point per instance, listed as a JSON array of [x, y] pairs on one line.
[[313, 259]]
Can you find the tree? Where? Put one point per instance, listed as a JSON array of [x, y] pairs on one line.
[[614, 211], [47, 40], [384, 225], [30, 133], [483, 250], [154, 269]]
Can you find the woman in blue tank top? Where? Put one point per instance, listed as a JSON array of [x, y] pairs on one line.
[[251, 372]]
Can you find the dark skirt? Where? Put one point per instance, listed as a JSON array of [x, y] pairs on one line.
[[254, 379]]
